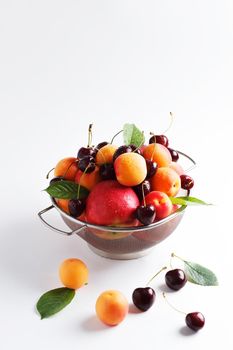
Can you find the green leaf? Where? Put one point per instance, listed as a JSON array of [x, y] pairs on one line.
[[54, 301], [66, 190], [187, 201], [199, 274], [132, 135]]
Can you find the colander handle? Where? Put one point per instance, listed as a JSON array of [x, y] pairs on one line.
[[40, 214]]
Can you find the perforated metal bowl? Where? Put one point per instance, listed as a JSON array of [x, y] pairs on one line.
[[119, 242]]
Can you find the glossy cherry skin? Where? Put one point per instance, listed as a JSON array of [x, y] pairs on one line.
[[100, 145], [146, 188], [146, 214], [195, 320], [87, 164], [143, 298], [162, 139], [76, 207], [86, 151], [175, 279], [107, 172], [174, 154], [56, 179], [120, 150], [151, 168], [187, 182], [135, 149]]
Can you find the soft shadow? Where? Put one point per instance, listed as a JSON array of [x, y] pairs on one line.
[[165, 289], [134, 310], [186, 331], [92, 324]]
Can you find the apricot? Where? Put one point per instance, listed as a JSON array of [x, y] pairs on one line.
[[61, 169], [88, 180], [166, 180], [111, 307], [177, 167], [158, 154], [105, 154], [73, 273], [63, 204], [130, 169]]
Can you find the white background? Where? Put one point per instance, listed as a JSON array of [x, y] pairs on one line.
[[64, 64]]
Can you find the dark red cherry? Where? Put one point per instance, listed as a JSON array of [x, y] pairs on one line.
[[187, 182], [76, 207], [174, 154], [162, 139], [56, 179], [120, 150], [101, 144], [143, 298], [86, 151], [146, 188], [151, 168], [195, 320], [107, 171], [175, 279], [135, 149], [146, 214], [87, 164]]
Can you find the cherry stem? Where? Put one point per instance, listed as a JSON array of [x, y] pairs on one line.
[[143, 194], [79, 184], [116, 136], [47, 176], [157, 273], [173, 255], [171, 122], [89, 135], [173, 307], [152, 155]]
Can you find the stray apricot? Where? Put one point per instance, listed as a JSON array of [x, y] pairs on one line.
[[66, 168], [73, 273], [111, 307]]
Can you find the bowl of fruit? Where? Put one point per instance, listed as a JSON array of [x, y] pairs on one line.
[[122, 199]]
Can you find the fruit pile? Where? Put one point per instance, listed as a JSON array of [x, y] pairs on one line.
[[129, 185]]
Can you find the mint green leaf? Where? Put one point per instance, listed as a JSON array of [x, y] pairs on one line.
[[199, 274], [132, 135], [187, 201], [54, 301], [66, 190]]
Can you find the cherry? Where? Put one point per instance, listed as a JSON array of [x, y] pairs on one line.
[[146, 214], [143, 298], [162, 139], [135, 149], [87, 164], [174, 154], [56, 179], [175, 279], [76, 207], [101, 144], [186, 182], [107, 171], [86, 151], [145, 185], [120, 150], [195, 320], [151, 168]]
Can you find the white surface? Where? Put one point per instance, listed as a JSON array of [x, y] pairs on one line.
[[64, 64]]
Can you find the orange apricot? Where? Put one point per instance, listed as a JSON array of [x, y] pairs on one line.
[[88, 180], [130, 169], [63, 205], [73, 273], [111, 307], [67, 168], [166, 180], [158, 153], [105, 154]]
